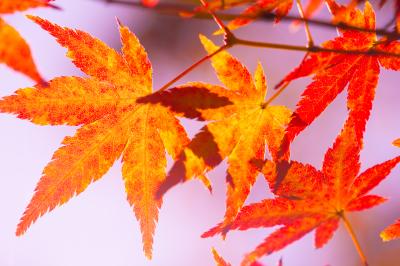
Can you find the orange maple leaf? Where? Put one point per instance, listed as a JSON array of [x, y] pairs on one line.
[[391, 232], [239, 130], [219, 261], [332, 71], [11, 6], [14, 51], [319, 202], [396, 142], [114, 125]]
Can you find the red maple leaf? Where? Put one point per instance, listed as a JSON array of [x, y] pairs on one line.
[[309, 199], [332, 72], [254, 9], [392, 231]]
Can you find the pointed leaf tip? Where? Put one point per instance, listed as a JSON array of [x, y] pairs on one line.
[[218, 259], [391, 232], [119, 22], [40, 21], [397, 143], [33, 17], [16, 53]]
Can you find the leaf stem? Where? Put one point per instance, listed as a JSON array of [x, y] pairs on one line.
[[275, 95], [354, 238], [306, 25], [217, 20], [190, 68], [230, 40]]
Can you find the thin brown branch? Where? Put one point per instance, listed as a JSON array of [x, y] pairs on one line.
[[217, 20], [313, 49], [275, 95], [231, 40], [306, 25], [178, 9], [159, 7]]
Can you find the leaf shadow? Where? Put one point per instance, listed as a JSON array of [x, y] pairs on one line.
[[187, 101], [204, 147]]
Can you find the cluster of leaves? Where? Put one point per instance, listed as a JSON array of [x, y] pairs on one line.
[[256, 9], [120, 116]]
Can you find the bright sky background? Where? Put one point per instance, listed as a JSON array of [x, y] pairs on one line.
[[99, 228]]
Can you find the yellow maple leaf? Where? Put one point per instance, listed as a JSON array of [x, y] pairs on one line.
[[238, 131]]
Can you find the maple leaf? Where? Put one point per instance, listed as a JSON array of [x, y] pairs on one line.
[[113, 125], [14, 51], [332, 72], [312, 7], [11, 6], [238, 131], [392, 231], [318, 203], [279, 7], [150, 3], [255, 9], [396, 142], [219, 261]]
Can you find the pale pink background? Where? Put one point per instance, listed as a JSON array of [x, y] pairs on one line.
[[99, 228]]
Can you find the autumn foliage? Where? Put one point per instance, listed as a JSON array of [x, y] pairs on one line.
[[120, 115], [14, 51]]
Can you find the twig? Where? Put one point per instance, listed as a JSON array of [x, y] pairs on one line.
[[314, 49], [306, 26], [275, 95], [217, 20], [228, 42], [189, 69], [178, 9], [231, 40]]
